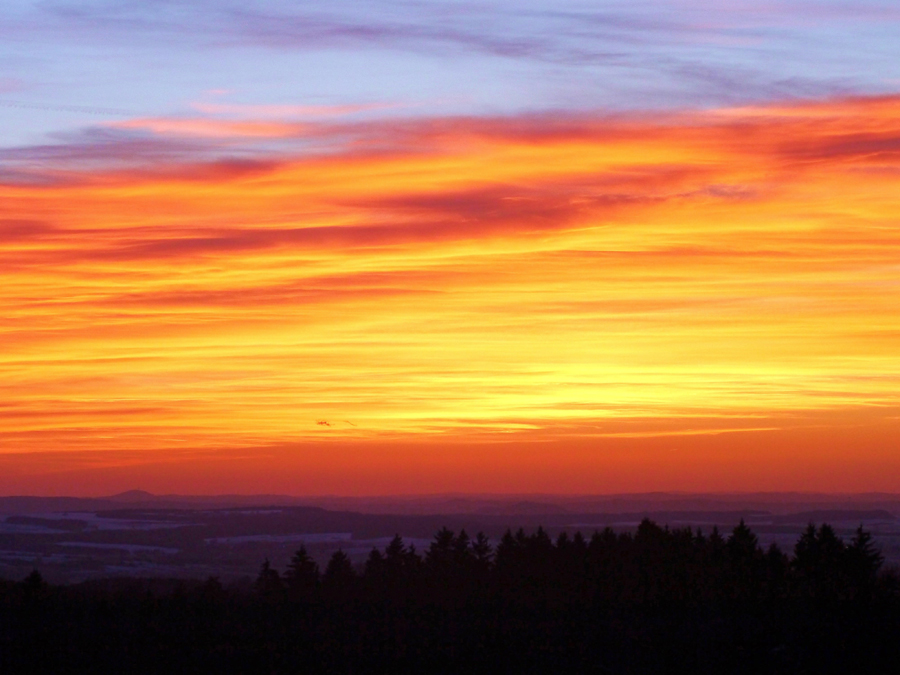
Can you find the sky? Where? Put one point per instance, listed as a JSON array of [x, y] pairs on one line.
[[431, 247]]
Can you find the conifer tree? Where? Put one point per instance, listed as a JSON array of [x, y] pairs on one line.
[[302, 574], [268, 583]]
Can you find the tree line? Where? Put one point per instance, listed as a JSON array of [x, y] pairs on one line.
[[655, 600]]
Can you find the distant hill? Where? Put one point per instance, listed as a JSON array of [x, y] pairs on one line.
[[816, 506], [133, 496], [138, 533]]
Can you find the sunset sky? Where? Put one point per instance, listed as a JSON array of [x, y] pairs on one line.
[[420, 247]]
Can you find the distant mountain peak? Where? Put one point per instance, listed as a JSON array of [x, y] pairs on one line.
[[133, 496]]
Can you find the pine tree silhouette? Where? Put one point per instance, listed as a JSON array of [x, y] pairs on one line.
[[268, 583], [302, 575]]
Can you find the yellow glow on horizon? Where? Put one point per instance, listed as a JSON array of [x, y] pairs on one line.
[[697, 274]]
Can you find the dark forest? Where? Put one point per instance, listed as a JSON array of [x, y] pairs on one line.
[[657, 600]]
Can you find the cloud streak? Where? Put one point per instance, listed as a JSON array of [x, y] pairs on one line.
[[626, 55], [552, 278]]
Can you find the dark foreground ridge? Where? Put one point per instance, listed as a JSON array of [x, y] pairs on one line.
[[656, 601]]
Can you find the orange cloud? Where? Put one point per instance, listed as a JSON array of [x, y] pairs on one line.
[[558, 283]]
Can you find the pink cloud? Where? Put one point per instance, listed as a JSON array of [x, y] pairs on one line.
[[210, 128]]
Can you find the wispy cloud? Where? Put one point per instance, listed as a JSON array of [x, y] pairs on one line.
[[677, 53], [529, 232], [589, 276], [103, 145], [286, 110], [213, 128]]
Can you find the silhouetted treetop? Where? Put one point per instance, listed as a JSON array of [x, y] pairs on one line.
[[302, 574], [655, 600]]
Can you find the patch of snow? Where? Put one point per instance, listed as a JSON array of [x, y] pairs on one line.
[[317, 538], [130, 548], [11, 528]]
